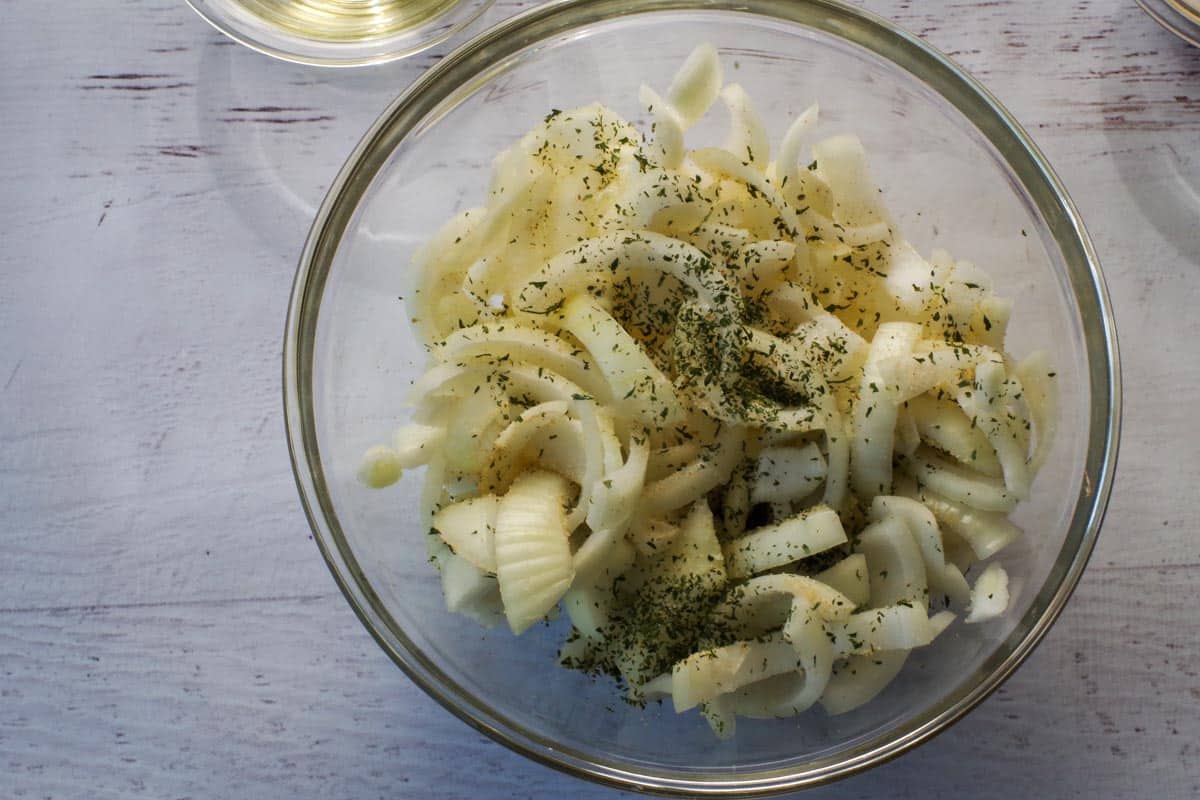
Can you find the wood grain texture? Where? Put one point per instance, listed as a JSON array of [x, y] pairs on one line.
[[168, 630]]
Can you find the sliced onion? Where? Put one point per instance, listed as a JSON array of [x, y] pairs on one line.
[[696, 84], [987, 404], [943, 424], [989, 595], [875, 409], [533, 556], [859, 679], [632, 379], [957, 484], [697, 478], [808, 533], [747, 134], [894, 566], [500, 341], [850, 577], [987, 532]]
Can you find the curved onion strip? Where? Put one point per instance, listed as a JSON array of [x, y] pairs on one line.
[[933, 364], [810, 638], [762, 265], [703, 676], [601, 451], [754, 605], [787, 473], [667, 460], [707, 472], [838, 444], [794, 305], [810, 532], [558, 449], [478, 420], [898, 627], [986, 403], [1041, 394], [874, 424], [910, 278], [788, 162], [719, 715], [504, 461], [1017, 411], [659, 201], [849, 576], [944, 425], [501, 342], [842, 163], [907, 437], [613, 501], [668, 127], [469, 528], [593, 262], [957, 484], [747, 134], [791, 366], [718, 237], [989, 595], [859, 679], [457, 380], [989, 323], [894, 566], [415, 444], [844, 235], [829, 343], [789, 694], [987, 532], [632, 379], [724, 164], [588, 607], [696, 84], [944, 579]]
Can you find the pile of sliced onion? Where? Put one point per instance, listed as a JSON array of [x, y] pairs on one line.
[[655, 366]]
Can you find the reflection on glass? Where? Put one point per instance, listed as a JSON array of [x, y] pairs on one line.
[[346, 20]]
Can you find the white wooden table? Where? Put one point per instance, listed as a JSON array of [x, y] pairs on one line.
[[168, 629]]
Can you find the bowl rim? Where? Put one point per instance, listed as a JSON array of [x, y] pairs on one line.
[[1174, 17], [463, 68]]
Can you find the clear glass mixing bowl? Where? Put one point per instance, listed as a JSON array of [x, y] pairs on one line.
[[957, 171]]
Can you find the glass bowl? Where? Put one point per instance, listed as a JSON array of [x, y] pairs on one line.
[[339, 33], [958, 172]]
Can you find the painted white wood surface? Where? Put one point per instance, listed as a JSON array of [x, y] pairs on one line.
[[168, 629]]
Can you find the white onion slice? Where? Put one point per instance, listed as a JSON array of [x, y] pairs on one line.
[[808, 533]]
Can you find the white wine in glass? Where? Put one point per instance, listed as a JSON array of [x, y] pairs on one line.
[[346, 20]]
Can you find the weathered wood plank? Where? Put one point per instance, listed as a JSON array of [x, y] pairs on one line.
[[286, 696]]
